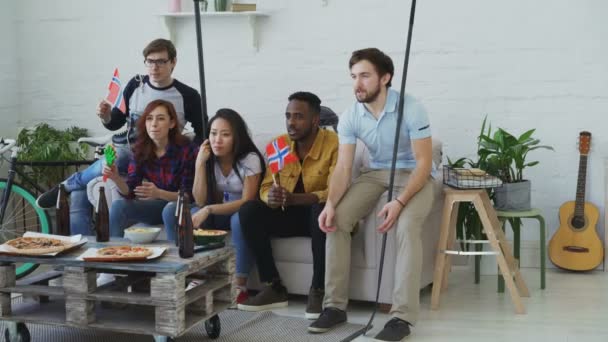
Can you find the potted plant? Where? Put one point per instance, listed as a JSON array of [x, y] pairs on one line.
[[506, 156], [43, 143], [502, 155]]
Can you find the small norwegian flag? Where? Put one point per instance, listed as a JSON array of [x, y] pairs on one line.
[[115, 93], [279, 155]]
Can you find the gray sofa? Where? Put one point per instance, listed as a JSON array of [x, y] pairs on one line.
[[293, 256]]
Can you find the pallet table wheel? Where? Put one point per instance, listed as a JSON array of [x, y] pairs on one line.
[[16, 332], [213, 327]]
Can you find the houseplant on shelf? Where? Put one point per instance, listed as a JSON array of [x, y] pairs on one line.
[[505, 156], [43, 143]]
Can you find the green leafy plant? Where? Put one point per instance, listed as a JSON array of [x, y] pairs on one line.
[[43, 143], [504, 155]]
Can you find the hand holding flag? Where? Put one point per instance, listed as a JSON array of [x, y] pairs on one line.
[[115, 97], [279, 155]]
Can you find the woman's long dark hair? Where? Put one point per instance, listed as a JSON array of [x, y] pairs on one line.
[[143, 151], [242, 146]]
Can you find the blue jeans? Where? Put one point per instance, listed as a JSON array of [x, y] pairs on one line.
[[79, 180], [244, 259], [80, 213], [126, 212], [76, 185]]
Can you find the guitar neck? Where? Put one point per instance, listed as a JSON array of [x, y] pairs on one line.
[[579, 208]]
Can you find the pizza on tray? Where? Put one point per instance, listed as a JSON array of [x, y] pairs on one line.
[[37, 245], [124, 252]]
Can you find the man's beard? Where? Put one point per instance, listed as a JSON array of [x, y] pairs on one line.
[[371, 97]]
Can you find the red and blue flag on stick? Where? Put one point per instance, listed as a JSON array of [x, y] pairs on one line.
[[115, 97], [279, 155]]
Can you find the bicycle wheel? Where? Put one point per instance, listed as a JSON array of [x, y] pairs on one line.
[[21, 215]]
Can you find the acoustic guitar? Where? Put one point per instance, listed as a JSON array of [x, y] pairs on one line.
[[576, 245]]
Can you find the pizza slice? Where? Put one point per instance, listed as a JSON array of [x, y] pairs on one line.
[[124, 252]]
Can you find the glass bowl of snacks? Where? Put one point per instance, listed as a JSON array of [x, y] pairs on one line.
[[207, 236], [142, 234]]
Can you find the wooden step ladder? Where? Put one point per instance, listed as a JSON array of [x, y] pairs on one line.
[[496, 238]]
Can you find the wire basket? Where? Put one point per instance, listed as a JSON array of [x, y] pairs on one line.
[[463, 178]]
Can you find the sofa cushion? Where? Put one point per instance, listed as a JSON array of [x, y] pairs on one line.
[[298, 250], [293, 249]]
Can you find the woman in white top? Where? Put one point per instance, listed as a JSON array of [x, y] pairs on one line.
[[229, 170]]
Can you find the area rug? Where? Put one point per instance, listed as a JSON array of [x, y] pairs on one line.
[[237, 326]]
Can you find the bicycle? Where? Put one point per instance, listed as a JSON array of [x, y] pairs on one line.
[[18, 210]]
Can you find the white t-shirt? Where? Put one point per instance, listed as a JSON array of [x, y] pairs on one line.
[[232, 186]]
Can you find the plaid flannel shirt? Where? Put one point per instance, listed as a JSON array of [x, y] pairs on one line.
[[172, 171]]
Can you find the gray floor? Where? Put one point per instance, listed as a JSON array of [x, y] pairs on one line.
[[573, 307]]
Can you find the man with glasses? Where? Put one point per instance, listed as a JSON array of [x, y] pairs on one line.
[[160, 58]]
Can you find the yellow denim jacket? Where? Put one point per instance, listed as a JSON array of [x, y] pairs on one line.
[[316, 169]]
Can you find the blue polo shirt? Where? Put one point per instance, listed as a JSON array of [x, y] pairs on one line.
[[379, 134]]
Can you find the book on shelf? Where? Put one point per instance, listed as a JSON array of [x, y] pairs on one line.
[[243, 7]]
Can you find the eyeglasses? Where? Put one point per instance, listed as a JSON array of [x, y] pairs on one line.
[[158, 62]]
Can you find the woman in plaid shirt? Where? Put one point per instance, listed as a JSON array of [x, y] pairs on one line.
[[162, 163]]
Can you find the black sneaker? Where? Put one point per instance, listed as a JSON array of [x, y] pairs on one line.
[[271, 297], [48, 199], [394, 330], [329, 319], [315, 303]]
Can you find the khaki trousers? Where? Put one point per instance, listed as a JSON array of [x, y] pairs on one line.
[[358, 202]]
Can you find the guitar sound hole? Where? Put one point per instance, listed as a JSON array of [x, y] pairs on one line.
[[578, 222]]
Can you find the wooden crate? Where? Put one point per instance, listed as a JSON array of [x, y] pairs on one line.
[[165, 309]]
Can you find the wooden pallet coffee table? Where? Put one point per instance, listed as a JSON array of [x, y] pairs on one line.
[[165, 310]]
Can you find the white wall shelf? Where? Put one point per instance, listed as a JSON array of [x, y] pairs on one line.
[[169, 20]]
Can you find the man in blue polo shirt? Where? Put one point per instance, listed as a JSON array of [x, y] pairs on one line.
[[373, 119]]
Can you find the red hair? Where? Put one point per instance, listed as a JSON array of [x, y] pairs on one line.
[[143, 151]]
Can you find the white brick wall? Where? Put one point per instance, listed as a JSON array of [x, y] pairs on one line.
[[9, 81], [524, 63]]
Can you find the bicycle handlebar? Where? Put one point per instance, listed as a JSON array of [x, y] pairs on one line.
[[6, 144], [96, 141]]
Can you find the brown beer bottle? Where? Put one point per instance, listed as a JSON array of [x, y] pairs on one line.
[[62, 218], [178, 210], [185, 233], [102, 217]]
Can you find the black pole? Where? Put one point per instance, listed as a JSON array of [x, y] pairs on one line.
[[201, 65], [391, 183]]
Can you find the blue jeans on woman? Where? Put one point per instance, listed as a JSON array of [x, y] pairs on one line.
[[80, 207], [80, 213], [244, 259], [127, 212]]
